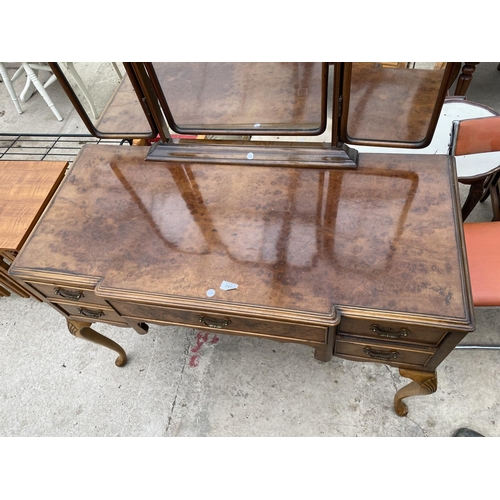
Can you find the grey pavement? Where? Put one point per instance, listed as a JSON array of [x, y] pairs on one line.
[[185, 382]]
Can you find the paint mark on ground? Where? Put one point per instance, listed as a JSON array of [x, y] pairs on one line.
[[201, 339]]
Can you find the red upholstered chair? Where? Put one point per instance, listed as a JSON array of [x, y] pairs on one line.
[[482, 240], [475, 143]]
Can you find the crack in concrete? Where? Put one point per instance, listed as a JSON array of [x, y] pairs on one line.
[[395, 383], [141, 386], [174, 402], [424, 433]]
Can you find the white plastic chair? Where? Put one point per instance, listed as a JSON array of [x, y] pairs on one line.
[[10, 89], [31, 70]]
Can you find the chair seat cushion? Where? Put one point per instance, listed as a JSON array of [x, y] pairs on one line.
[[482, 240]]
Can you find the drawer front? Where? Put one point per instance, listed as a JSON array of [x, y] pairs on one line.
[[89, 312], [227, 323], [396, 332], [68, 293], [382, 352]]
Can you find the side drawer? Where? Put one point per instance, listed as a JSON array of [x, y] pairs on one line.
[[69, 293], [388, 331], [227, 323], [89, 312], [382, 352]]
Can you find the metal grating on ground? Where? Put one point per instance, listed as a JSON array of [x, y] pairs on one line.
[[46, 147]]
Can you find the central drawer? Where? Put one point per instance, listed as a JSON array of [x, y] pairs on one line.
[[227, 323]]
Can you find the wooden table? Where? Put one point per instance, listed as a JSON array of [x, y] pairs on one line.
[[25, 190], [366, 264]]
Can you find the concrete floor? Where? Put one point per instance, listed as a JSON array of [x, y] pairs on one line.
[[182, 382]]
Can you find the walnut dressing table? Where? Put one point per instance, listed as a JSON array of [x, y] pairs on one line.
[[367, 264]]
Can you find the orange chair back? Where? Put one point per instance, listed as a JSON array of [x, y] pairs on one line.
[[478, 135]]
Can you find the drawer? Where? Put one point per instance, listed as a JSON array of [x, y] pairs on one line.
[[89, 312], [69, 293], [226, 323], [397, 332], [382, 352]]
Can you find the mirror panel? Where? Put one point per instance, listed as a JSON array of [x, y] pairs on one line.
[[393, 103], [234, 98], [105, 95]]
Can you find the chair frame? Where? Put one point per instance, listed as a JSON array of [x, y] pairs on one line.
[[483, 184]]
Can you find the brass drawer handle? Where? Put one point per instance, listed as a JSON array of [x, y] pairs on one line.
[[389, 333], [383, 355], [68, 294], [89, 313], [214, 322]]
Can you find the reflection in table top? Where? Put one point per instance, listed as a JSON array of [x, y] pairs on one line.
[[382, 237]]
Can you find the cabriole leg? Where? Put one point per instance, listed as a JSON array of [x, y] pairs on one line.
[[82, 330], [423, 383]]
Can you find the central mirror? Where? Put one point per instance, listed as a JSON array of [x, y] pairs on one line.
[[242, 98]]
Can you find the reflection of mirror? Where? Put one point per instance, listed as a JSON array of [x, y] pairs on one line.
[[93, 83], [394, 104], [104, 95], [334, 213], [354, 227]]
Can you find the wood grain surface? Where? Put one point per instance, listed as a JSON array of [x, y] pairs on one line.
[[25, 189], [384, 237]]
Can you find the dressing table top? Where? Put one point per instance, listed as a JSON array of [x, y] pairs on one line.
[[385, 237]]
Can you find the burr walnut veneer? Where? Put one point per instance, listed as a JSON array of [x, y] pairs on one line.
[[367, 264]]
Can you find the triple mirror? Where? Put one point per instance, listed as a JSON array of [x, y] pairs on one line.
[[371, 104]]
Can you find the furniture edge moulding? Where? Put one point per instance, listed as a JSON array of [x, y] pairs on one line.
[[179, 302], [460, 324], [54, 278]]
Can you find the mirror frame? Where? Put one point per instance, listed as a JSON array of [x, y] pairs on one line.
[[158, 91], [450, 73], [68, 89]]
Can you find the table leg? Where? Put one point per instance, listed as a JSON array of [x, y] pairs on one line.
[[495, 200], [323, 353], [82, 330], [465, 78], [423, 383]]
